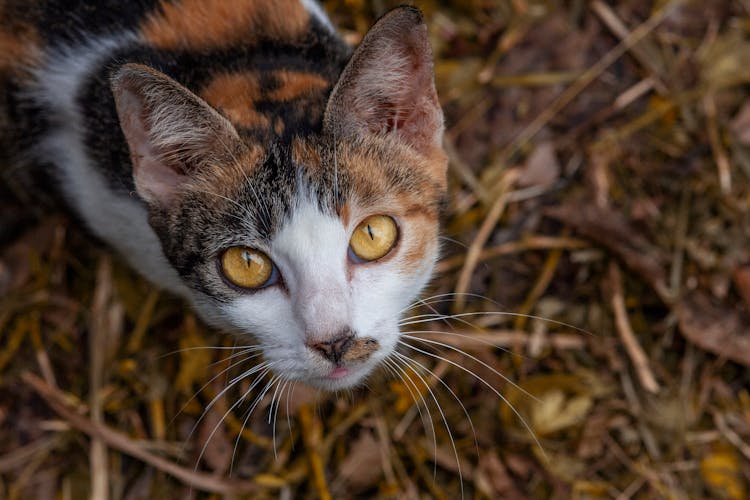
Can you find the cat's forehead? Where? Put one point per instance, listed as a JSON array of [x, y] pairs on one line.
[[253, 198]]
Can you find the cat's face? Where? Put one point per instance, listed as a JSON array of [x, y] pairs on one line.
[[313, 245]]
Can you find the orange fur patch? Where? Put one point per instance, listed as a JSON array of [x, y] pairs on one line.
[[207, 24], [293, 84], [420, 241], [19, 44], [304, 154], [344, 215], [234, 95]]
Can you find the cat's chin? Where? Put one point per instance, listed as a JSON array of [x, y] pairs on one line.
[[339, 378]]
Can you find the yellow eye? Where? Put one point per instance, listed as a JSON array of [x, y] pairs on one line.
[[373, 238], [246, 268]]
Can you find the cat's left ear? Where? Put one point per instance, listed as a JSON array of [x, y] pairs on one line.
[[388, 86], [173, 135]]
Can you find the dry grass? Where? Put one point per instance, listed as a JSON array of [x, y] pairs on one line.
[[600, 158]]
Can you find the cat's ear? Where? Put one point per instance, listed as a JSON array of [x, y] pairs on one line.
[[172, 133], [388, 85]]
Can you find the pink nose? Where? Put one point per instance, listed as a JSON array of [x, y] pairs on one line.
[[334, 349]]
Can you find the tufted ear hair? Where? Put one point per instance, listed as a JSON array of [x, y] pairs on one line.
[[173, 135], [388, 85]]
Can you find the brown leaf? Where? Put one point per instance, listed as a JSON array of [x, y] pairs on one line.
[[715, 328], [217, 447], [362, 466], [541, 168]]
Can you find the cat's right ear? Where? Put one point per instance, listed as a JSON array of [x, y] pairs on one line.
[[172, 134]]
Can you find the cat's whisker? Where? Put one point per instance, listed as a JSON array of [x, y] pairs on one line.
[[272, 414], [203, 387], [446, 297], [257, 380], [394, 369], [498, 313], [445, 423], [288, 417], [473, 358], [263, 366], [452, 393], [207, 348], [469, 337], [256, 402], [489, 386]]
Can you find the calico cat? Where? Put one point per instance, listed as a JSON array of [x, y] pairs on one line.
[[240, 155]]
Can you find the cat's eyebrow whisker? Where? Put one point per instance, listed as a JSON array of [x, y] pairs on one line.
[[453, 240], [447, 387], [237, 164], [445, 423], [243, 210], [489, 386]]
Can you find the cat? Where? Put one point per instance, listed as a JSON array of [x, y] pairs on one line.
[[240, 155]]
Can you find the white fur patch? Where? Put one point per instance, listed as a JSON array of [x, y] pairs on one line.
[[325, 293]]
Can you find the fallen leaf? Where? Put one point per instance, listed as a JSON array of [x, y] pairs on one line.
[[715, 327], [362, 466], [721, 471], [541, 168], [610, 229]]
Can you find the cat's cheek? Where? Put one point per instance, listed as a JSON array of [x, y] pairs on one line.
[[265, 316]]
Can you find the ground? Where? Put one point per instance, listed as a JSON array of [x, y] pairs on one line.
[[597, 243]]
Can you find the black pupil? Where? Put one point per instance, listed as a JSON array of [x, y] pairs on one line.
[[247, 258], [369, 231]]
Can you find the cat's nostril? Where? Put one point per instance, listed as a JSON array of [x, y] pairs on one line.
[[333, 350]]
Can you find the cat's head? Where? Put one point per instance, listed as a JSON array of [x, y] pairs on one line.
[[314, 245]]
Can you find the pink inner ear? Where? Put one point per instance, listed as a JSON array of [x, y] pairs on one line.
[[387, 87]]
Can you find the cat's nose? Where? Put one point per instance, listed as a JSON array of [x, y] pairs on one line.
[[334, 349]]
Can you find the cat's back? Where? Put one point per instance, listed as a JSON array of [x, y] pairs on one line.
[[266, 65], [256, 61]]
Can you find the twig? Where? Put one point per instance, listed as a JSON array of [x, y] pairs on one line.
[[542, 282], [616, 26], [57, 400], [526, 244], [633, 348], [730, 435], [722, 160], [591, 74], [98, 331], [485, 230], [311, 433]]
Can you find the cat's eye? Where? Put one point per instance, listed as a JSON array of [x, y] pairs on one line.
[[373, 238], [247, 268]]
